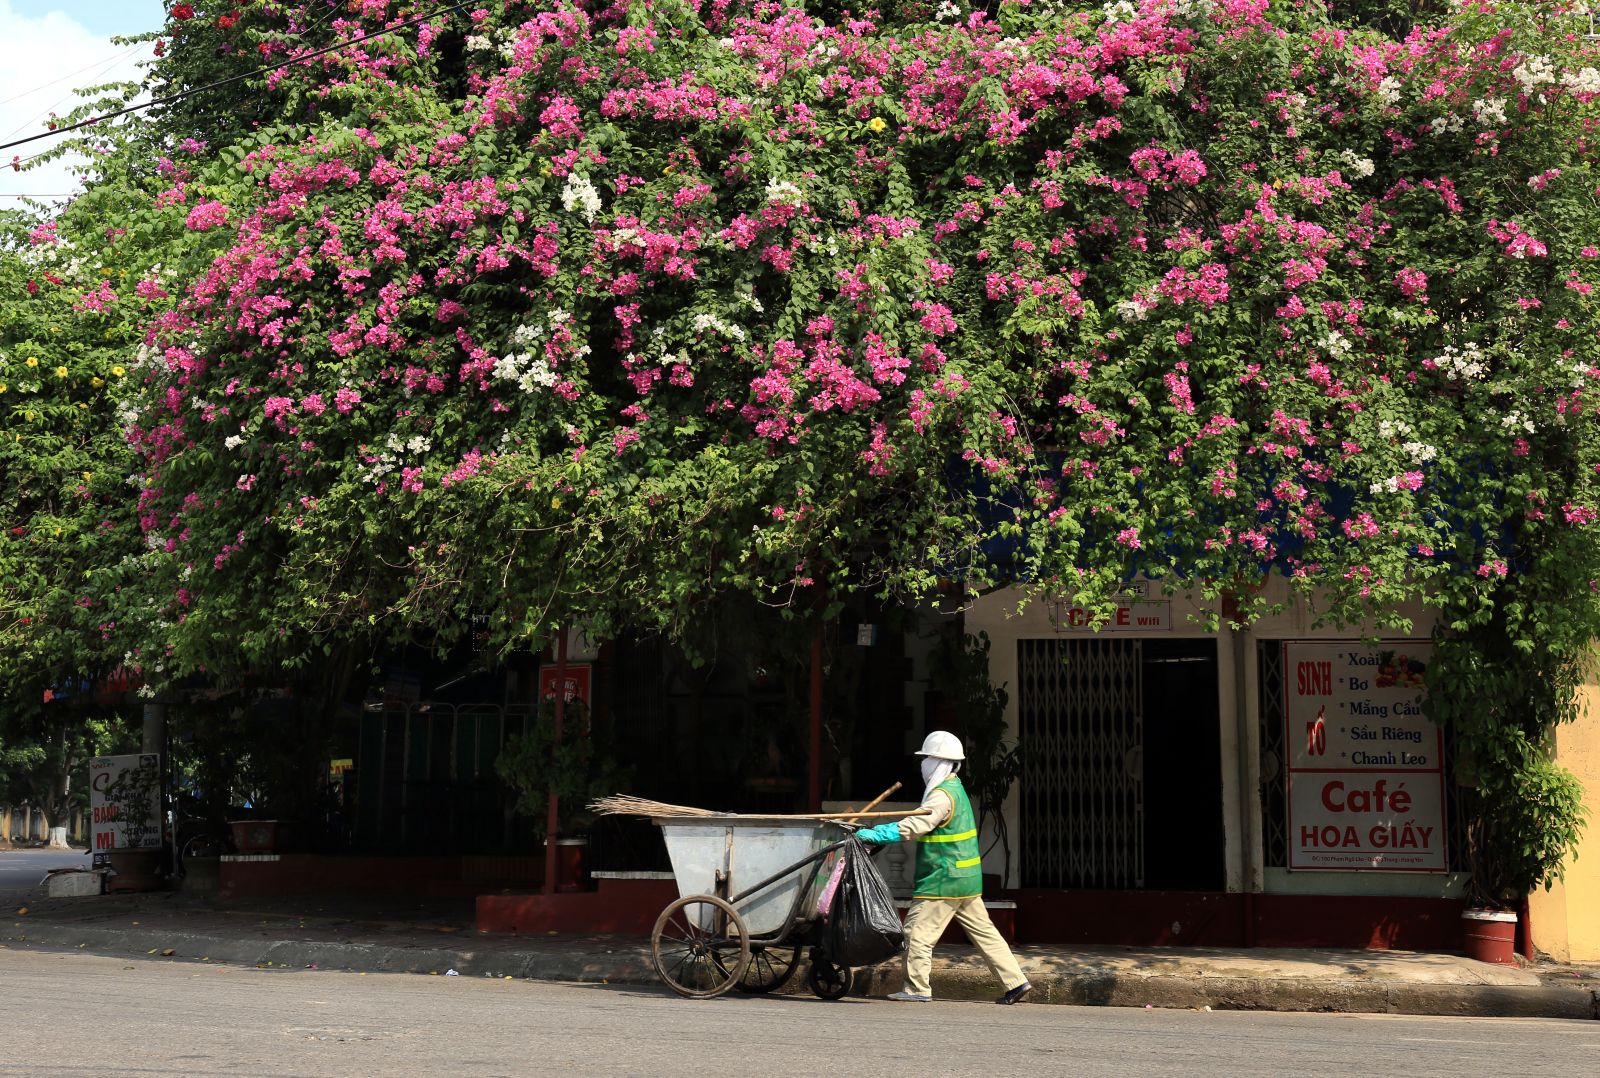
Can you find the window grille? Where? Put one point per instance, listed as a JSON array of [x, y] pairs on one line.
[[1081, 714]]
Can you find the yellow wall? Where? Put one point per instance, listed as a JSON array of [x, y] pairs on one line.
[[1566, 919]]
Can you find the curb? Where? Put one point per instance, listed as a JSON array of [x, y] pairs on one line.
[[1338, 996], [632, 966], [622, 967]]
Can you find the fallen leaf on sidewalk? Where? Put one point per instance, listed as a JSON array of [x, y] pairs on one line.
[[169, 952], [22, 911], [151, 951]]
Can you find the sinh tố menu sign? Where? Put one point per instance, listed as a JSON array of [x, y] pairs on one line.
[[1365, 765]]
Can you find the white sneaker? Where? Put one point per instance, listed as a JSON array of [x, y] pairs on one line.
[[909, 997]]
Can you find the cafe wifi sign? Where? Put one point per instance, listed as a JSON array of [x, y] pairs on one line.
[[1366, 767], [1132, 611]]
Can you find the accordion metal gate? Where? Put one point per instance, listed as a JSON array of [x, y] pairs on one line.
[[1080, 712]]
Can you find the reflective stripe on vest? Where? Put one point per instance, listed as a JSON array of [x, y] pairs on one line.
[[936, 837], [949, 864]]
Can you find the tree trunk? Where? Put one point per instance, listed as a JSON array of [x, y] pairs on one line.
[[57, 802], [58, 838]]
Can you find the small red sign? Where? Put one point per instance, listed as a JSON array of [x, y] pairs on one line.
[[577, 682]]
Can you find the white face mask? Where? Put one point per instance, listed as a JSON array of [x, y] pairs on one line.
[[934, 771]]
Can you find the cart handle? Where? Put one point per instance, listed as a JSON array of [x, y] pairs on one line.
[[796, 867]]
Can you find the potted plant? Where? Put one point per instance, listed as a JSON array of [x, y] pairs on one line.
[[1502, 685], [994, 761], [577, 771], [1519, 828]]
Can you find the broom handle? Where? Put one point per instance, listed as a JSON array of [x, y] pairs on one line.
[[881, 798], [858, 815], [715, 819]]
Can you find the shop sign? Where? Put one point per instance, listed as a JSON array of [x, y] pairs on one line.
[[576, 686], [125, 802], [1366, 766], [1128, 616]]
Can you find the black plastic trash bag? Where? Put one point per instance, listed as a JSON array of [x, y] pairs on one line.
[[863, 926]]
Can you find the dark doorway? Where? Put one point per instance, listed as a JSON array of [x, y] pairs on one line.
[[1183, 840], [1122, 786]]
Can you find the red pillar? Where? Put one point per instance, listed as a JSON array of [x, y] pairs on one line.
[[550, 848], [814, 773]]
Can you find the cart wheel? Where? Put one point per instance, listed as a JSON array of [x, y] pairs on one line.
[[770, 968], [701, 946], [828, 979]]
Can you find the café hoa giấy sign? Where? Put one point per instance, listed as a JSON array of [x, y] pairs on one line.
[[1365, 765]]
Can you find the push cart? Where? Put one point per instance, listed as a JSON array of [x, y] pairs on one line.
[[747, 908]]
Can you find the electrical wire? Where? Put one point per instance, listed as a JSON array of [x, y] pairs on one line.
[[70, 75], [100, 70], [170, 98]]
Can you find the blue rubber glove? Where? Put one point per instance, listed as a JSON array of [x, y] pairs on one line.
[[881, 835]]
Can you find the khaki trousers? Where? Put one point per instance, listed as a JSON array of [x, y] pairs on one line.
[[926, 921]]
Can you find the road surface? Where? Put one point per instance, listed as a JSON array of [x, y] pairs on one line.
[[86, 1015], [21, 870]]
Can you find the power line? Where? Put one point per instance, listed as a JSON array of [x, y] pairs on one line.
[[70, 75], [100, 69], [170, 98]]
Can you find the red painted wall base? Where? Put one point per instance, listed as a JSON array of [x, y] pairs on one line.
[[624, 907], [630, 907], [620, 907], [1129, 918], [433, 877], [1215, 919]]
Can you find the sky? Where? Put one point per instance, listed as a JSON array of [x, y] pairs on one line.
[[48, 48]]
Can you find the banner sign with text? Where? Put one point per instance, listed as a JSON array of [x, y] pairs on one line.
[[1365, 765], [1128, 616], [125, 802], [577, 686]]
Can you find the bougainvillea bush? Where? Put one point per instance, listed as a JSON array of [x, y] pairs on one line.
[[67, 529], [678, 298], [600, 309]]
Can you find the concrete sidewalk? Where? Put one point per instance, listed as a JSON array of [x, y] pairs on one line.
[[436, 937]]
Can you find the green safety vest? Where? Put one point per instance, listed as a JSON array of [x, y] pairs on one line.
[[949, 864]]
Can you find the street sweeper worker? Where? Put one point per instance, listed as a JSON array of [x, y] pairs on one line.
[[949, 875]]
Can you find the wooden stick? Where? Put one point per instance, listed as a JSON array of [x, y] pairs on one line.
[[870, 805], [859, 815], [881, 798], [826, 816]]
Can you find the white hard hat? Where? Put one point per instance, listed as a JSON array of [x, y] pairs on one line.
[[943, 744]]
